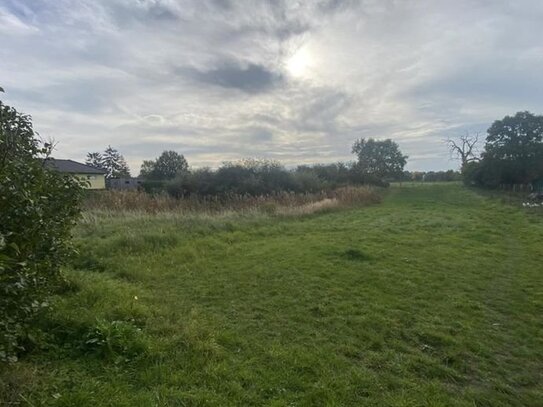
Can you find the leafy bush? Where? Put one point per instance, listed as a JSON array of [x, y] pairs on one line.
[[264, 177], [332, 175], [153, 186], [119, 341], [37, 210]]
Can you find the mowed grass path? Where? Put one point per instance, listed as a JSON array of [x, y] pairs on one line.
[[432, 298]]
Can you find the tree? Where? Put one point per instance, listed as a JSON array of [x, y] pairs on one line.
[[114, 164], [94, 160], [513, 153], [514, 148], [378, 159], [38, 207], [168, 165], [464, 148], [147, 168]]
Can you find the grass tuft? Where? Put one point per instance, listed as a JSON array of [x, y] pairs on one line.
[[355, 254]]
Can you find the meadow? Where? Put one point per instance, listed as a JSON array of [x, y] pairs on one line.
[[432, 297]]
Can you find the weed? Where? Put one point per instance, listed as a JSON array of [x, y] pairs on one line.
[[119, 341]]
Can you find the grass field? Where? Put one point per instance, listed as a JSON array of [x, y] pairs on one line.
[[432, 298]]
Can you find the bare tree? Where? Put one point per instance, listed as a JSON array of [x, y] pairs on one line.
[[464, 147]]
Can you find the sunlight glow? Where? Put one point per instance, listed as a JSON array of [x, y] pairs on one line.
[[299, 64]]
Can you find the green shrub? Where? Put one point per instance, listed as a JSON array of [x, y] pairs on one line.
[[153, 186], [119, 341], [264, 177], [37, 210]]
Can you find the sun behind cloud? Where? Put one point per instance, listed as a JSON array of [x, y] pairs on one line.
[[300, 63]]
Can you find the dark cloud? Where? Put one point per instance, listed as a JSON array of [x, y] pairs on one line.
[[259, 135], [251, 78], [222, 4], [328, 6]]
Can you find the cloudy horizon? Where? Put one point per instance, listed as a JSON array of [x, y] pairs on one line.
[[298, 82]]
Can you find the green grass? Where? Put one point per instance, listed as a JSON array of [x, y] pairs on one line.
[[432, 298]]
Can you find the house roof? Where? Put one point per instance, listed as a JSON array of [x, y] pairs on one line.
[[71, 166]]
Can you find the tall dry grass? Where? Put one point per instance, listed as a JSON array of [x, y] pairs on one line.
[[281, 203]]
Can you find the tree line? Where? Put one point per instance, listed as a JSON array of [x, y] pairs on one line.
[[512, 153], [377, 162]]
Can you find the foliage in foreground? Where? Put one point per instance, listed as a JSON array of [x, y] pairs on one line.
[[38, 207]]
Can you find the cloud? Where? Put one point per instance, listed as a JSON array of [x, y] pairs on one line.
[[13, 25], [297, 81], [251, 78]]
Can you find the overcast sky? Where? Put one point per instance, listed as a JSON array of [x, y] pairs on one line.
[[296, 81]]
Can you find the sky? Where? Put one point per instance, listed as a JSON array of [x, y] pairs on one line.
[[294, 81]]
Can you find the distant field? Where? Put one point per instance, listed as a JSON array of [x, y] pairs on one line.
[[425, 183], [432, 298]]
